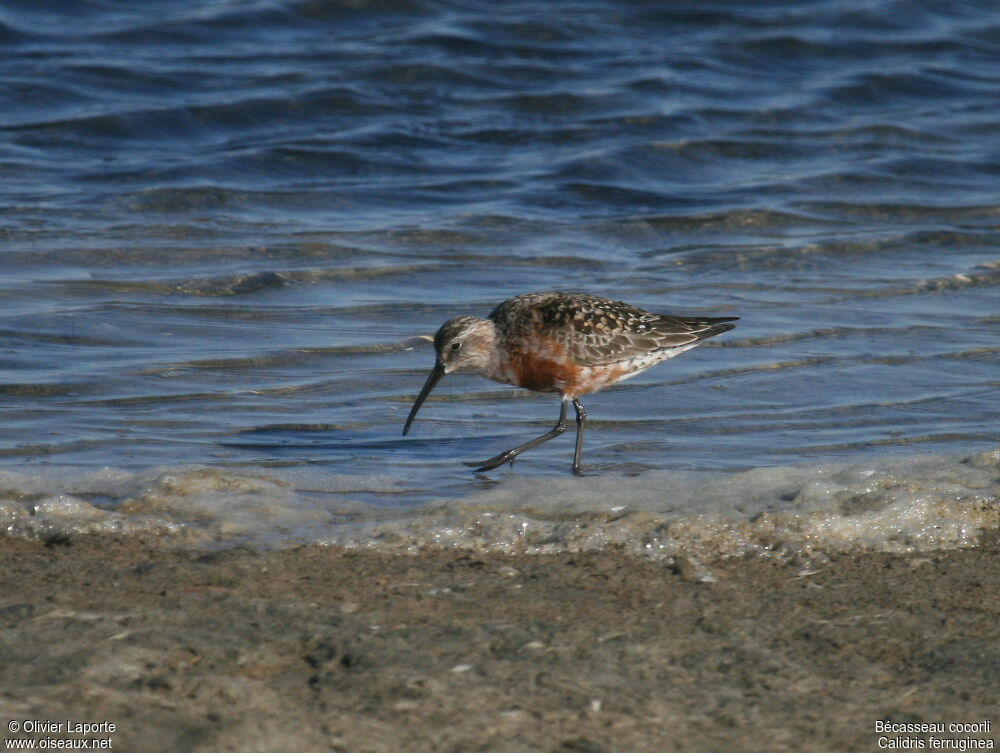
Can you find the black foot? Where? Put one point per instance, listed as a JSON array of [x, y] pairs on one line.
[[507, 456], [494, 462]]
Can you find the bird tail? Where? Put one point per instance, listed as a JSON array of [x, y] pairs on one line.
[[708, 326]]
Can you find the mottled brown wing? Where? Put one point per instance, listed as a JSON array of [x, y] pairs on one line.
[[597, 330]]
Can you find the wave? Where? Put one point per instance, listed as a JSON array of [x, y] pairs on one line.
[[923, 503]]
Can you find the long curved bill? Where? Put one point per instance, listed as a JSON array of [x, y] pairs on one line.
[[433, 378]]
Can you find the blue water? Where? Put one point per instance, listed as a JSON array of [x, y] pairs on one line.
[[225, 225]]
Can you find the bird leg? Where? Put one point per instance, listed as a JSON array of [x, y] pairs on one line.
[[509, 455], [581, 416]]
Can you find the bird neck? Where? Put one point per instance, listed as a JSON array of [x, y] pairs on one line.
[[489, 355]]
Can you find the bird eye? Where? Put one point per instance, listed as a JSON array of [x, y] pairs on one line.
[[456, 345]]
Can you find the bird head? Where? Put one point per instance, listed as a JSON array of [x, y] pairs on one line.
[[464, 343]]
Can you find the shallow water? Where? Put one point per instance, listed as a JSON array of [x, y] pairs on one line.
[[225, 226]]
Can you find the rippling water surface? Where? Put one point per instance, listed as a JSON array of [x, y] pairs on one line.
[[225, 225]]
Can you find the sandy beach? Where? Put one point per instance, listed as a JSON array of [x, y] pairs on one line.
[[319, 648]]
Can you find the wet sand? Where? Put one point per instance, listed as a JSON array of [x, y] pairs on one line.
[[324, 649]]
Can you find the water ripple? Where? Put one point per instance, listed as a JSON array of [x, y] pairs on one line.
[[229, 222]]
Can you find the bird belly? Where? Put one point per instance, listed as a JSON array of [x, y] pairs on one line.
[[548, 368], [598, 377]]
